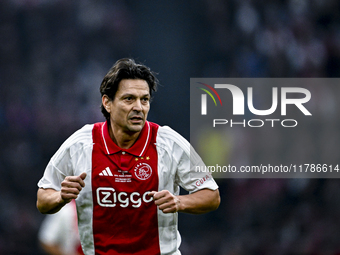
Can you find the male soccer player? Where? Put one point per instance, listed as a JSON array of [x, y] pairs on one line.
[[125, 173]]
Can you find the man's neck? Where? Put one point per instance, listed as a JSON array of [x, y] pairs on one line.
[[123, 139]]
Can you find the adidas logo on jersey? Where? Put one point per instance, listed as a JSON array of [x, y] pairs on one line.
[[106, 172]]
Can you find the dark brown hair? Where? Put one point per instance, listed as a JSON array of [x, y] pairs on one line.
[[125, 69]]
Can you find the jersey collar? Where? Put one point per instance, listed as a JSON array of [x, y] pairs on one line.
[[137, 149]]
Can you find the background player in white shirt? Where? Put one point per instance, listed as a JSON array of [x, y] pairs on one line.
[[58, 233], [115, 170]]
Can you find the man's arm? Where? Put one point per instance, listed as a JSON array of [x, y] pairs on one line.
[[199, 202], [51, 201]]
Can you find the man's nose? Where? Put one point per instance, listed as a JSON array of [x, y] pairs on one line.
[[137, 105]]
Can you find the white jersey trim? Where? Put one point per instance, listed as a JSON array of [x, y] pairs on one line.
[[147, 139], [73, 158], [176, 161], [107, 149]]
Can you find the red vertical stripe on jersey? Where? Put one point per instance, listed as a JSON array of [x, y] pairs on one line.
[[124, 217]]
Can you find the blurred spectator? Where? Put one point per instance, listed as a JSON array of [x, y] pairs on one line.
[[58, 234]]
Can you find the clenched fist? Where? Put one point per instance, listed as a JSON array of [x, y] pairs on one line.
[[166, 201], [71, 187]]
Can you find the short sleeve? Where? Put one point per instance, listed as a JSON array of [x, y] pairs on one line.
[[69, 158], [57, 169], [190, 177], [185, 162]]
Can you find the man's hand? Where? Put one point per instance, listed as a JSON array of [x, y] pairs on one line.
[[201, 201], [166, 201], [71, 187], [51, 201]]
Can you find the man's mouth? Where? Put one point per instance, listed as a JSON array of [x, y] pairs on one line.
[[136, 119]]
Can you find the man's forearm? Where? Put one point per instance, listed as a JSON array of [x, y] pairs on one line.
[[199, 202], [49, 201]]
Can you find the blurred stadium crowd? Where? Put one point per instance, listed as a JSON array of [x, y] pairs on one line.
[[54, 53]]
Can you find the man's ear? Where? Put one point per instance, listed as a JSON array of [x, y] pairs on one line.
[[106, 101]]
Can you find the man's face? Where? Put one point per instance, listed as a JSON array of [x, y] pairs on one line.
[[130, 107]]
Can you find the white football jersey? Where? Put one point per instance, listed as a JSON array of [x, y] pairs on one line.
[[115, 213]]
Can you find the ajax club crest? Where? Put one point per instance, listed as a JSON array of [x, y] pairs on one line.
[[143, 171]]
